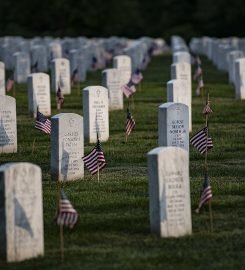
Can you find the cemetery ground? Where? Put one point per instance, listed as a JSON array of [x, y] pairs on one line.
[[114, 228]]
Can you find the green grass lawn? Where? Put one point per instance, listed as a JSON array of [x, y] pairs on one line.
[[114, 229]]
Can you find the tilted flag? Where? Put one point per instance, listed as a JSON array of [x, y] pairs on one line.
[[197, 73], [95, 160], [206, 193], [137, 76], [74, 76], [43, 123], [200, 85], [128, 89], [34, 68], [130, 124], [59, 98], [66, 214], [207, 109], [10, 83], [202, 141]]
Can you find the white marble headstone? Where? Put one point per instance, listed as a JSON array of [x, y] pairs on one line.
[[178, 91], [22, 67], [240, 78], [60, 75], [39, 57], [123, 62], [173, 125], [21, 211], [2, 78], [95, 113], [67, 147], [111, 79], [169, 190], [8, 125], [39, 94]]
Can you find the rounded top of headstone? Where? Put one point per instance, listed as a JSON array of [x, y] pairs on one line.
[[18, 165], [172, 104], [167, 149], [66, 115], [95, 88]]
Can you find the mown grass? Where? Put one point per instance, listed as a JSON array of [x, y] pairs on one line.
[[113, 231]]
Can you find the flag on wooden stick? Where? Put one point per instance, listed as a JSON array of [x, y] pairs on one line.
[[10, 83], [206, 193], [95, 160], [130, 124], [202, 141], [59, 98], [42, 123], [128, 89], [137, 76], [66, 214], [207, 109]]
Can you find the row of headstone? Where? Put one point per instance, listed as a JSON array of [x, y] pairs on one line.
[[228, 55], [168, 164]]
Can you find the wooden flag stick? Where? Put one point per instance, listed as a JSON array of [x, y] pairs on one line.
[[98, 173], [210, 216], [33, 145], [206, 168], [61, 226], [61, 243], [126, 137], [132, 98]]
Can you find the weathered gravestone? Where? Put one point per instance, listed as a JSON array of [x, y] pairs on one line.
[[8, 126], [95, 113], [22, 67], [67, 148], [173, 125], [39, 94], [2, 78], [123, 62], [178, 91], [111, 79], [232, 57], [240, 78], [21, 211], [60, 75], [169, 190]]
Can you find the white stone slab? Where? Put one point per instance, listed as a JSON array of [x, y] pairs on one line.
[[178, 91], [8, 125], [22, 67], [240, 78], [173, 125], [60, 75], [123, 62], [95, 113], [181, 57], [111, 79], [67, 147], [21, 211], [169, 190], [39, 94]]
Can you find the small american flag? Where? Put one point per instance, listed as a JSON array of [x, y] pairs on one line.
[[206, 194], [200, 85], [74, 76], [201, 142], [128, 89], [43, 123], [66, 214], [137, 76], [130, 124], [197, 73], [34, 68], [207, 109], [59, 98], [10, 83], [95, 160]]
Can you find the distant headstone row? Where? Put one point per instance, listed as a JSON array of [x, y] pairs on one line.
[[228, 55]]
